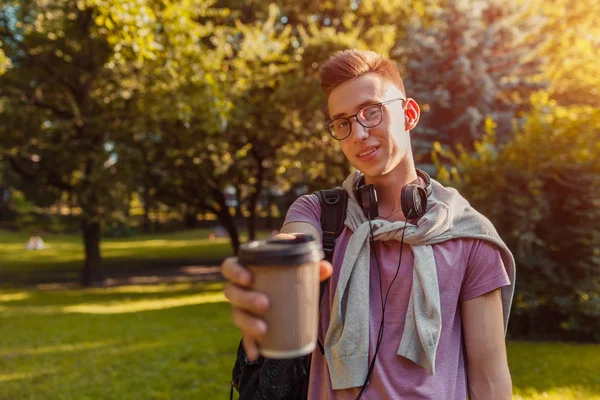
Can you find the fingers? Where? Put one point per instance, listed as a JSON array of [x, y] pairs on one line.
[[326, 269], [247, 305], [250, 347], [285, 236], [236, 273], [248, 323], [250, 301]]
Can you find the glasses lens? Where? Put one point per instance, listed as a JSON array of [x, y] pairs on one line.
[[370, 116], [339, 128]]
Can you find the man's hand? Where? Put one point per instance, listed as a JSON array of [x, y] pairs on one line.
[[247, 305]]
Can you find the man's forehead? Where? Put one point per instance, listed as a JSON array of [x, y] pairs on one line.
[[349, 96]]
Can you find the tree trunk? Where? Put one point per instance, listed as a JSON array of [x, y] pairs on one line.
[[270, 206], [93, 270], [252, 204], [3, 203], [190, 217], [229, 223], [146, 221], [238, 207]]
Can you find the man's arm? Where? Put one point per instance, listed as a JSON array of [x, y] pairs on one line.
[[487, 365], [301, 227]]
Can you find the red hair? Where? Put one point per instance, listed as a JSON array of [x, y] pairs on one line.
[[346, 65]]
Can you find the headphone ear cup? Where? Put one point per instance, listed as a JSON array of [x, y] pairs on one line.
[[413, 199], [367, 198]]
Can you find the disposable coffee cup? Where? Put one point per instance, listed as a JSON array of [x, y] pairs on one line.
[[287, 271]]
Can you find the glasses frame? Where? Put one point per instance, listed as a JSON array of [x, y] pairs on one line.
[[329, 126]]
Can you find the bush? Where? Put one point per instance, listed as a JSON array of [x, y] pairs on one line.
[[542, 191], [31, 218]]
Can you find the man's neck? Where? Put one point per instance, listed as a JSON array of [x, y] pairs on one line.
[[389, 189]]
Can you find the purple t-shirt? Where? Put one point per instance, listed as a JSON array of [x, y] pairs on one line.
[[466, 268]]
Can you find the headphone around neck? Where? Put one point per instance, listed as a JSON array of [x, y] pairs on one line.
[[413, 197]]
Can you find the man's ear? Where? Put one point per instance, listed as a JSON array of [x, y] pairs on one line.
[[412, 112]]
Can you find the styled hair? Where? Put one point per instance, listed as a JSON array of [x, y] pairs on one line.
[[346, 65]]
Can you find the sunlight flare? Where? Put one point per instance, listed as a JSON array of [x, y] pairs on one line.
[[145, 305], [14, 297]]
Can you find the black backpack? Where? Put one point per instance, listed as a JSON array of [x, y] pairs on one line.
[[267, 378]]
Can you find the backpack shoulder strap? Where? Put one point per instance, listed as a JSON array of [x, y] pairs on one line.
[[333, 213]]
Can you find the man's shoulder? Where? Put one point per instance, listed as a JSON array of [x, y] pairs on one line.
[[467, 247], [308, 199], [334, 196], [467, 243], [305, 208]]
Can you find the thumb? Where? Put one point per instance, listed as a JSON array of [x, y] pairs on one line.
[[325, 270]]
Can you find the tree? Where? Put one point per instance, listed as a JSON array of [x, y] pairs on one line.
[[273, 94], [260, 57], [478, 58], [75, 74], [62, 147], [571, 50]]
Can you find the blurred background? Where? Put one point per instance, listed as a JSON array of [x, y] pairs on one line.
[[142, 141]]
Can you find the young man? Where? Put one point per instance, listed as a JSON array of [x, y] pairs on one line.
[[443, 282]]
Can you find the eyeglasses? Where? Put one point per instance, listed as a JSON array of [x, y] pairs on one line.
[[369, 116]]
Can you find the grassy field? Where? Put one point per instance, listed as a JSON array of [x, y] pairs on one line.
[[176, 341], [136, 342], [173, 341]]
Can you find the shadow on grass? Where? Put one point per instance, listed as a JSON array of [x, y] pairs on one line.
[[143, 255], [117, 272], [62, 260]]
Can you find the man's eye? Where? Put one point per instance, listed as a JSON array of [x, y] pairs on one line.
[[370, 113], [341, 124]]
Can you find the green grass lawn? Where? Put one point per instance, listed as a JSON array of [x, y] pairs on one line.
[[557, 371], [176, 341], [136, 342]]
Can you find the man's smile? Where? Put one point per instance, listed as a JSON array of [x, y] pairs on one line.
[[366, 152]]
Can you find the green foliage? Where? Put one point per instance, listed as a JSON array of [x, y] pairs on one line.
[[182, 102], [88, 80], [541, 191], [478, 58], [31, 218], [571, 50], [59, 114], [4, 61]]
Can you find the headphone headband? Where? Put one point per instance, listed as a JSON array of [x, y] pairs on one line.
[[413, 197], [425, 176], [420, 173]]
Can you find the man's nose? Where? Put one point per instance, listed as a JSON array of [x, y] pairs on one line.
[[359, 132]]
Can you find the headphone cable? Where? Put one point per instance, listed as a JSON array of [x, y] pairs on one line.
[[383, 302]]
